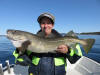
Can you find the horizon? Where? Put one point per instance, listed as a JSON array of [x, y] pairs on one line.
[[77, 15], [60, 33]]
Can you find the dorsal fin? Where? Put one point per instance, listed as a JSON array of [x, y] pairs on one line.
[[71, 33]]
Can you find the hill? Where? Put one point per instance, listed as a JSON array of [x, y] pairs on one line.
[[90, 33]]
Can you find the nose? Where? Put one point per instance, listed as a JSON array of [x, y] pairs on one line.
[[45, 25]]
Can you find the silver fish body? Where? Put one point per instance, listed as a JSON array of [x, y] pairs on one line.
[[38, 44]]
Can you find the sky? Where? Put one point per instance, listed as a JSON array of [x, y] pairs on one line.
[[76, 15]]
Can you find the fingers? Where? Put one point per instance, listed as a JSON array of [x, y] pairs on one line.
[[62, 49]]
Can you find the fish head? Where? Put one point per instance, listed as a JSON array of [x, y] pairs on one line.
[[16, 35]]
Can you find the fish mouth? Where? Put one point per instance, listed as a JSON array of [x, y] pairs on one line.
[[16, 39], [13, 39], [10, 38], [21, 41]]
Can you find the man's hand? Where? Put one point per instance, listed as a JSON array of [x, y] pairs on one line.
[[62, 49]]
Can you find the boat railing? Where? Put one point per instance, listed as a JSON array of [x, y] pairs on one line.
[[6, 68]]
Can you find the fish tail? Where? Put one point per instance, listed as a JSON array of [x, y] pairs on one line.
[[88, 44]]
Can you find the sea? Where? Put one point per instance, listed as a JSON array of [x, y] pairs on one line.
[[6, 49]]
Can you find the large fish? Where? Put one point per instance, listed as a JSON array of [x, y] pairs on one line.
[[38, 44]]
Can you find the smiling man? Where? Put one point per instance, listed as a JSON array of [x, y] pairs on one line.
[[49, 63]]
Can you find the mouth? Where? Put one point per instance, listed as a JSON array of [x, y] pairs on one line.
[[13, 39], [9, 37]]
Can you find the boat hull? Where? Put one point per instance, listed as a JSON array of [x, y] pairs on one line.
[[84, 66]]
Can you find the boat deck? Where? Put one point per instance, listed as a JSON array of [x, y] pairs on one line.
[[84, 66]]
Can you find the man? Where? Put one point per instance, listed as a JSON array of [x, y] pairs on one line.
[[49, 63]]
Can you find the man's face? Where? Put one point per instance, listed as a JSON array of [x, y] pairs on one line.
[[46, 25]]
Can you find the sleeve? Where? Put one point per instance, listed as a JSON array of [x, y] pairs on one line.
[[74, 55], [23, 60]]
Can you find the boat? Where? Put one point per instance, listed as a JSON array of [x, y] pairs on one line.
[[84, 66]]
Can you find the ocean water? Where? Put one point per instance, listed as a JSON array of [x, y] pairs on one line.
[[6, 49], [94, 53]]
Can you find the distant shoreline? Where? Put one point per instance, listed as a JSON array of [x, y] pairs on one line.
[[90, 33], [85, 33]]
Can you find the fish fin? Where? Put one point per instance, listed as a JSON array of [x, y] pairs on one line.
[[71, 33], [25, 45], [88, 45]]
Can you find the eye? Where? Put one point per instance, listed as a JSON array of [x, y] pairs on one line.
[[42, 22]]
